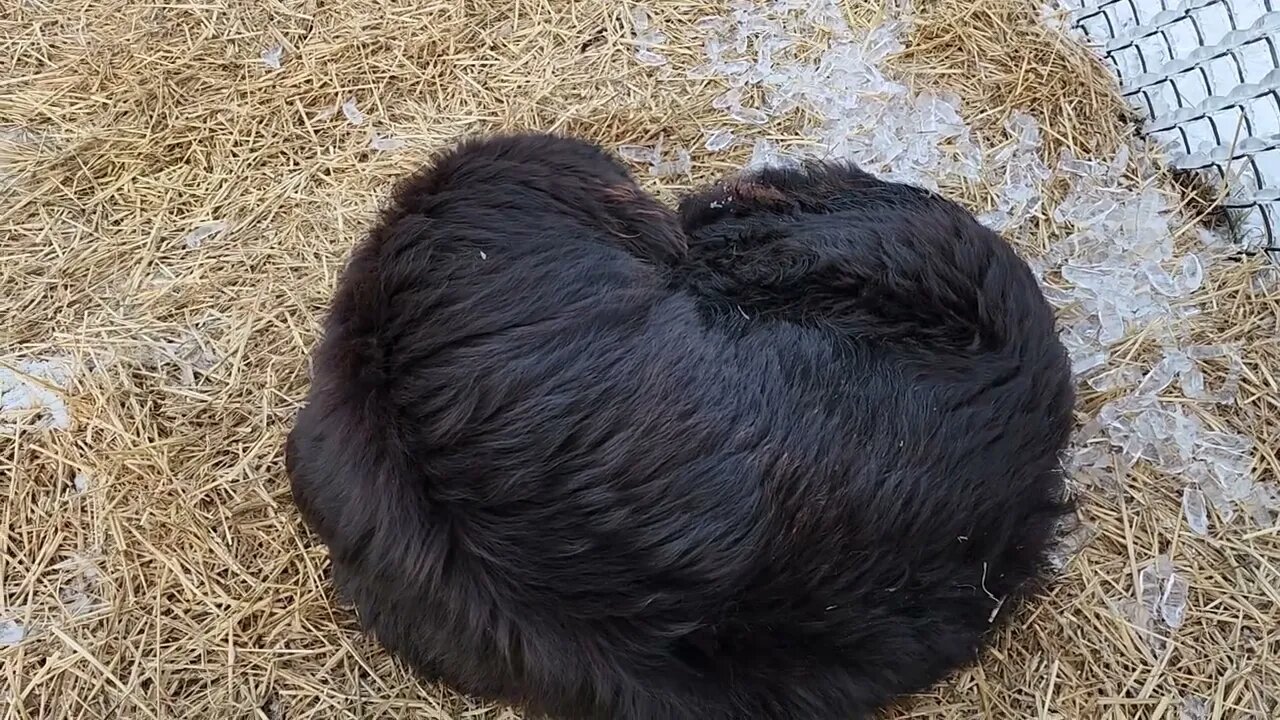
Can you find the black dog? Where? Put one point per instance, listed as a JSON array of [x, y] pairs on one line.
[[788, 454]]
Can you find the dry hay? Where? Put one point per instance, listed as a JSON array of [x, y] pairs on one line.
[[179, 583]]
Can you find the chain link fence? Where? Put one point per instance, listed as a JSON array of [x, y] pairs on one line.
[[1206, 76]]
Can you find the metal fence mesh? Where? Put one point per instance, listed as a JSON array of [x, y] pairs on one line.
[[1206, 75]]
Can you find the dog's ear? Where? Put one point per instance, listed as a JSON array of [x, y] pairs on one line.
[[646, 228], [740, 196], [813, 187]]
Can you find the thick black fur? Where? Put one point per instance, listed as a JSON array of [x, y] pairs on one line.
[[783, 455]]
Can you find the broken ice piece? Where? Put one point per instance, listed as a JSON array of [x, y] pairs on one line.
[[1231, 384], [36, 385], [385, 142], [1262, 502], [728, 99], [11, 633], [1194, 708], [1204, 352], [1190, 274], [1072, 536], [763, 153], [681, 165], [1091, 454], [1149, 589], [353, 114], [1192, 383], [710, 23], [271, 56], [1116, 378], [1088, 363], [718, 140], [748, 115], [202, 232], [1160, 280], [647, 38], [1195, 510], [1160, 377], [1268, 494], [639, 20], [1021, 126], [1111, 325], [76, 603], [637, 153], [1117, 166], [1216, 497], [997, 220], [649, 57], [1173, 601], [1266, 281]]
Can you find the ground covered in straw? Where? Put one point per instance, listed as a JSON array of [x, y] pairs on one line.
[[180, 183]]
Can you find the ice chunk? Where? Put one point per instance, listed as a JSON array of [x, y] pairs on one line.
[[1118, 164], [718, 140], [11, 633], [272, 56], [651, 58], [728, 99], [1229, 457], [1263, 503], [1231, 383], [938, 113], [1268, 494], [1093, 465], [1266, 281], [639, 19], [648, 38], [1085, 365], [637, 153], [1072, 537], [1023, 128], [1149, 589], [385, 143], [1194, 708], [763, 154], [1111, 324], [1116, 378], [352, 113], [680, 165], [1217, 498], [203, 232], [1161, 593], [1173, 601], [35, 386], [1160, 377], [1206, 352], [749, 115], [1150, 581], [1161, 281], [1190, 274], [1192, 383], [1194, 510]]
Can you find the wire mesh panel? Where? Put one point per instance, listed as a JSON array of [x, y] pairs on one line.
[[1206, 75]]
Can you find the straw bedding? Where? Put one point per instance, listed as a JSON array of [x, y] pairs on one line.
[[173, 213]]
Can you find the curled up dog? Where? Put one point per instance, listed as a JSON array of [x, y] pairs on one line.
[[790, 451]]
